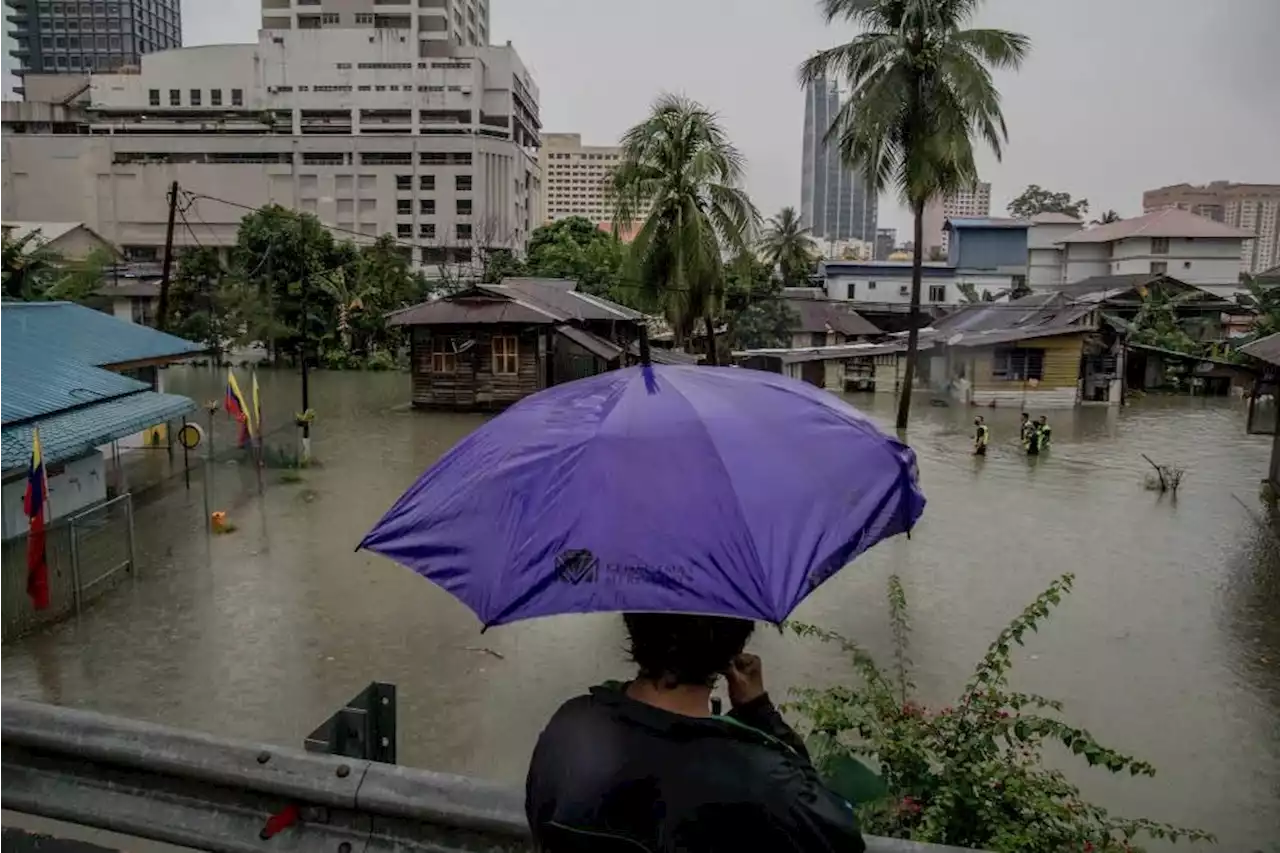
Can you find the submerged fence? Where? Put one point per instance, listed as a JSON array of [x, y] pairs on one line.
[[86, 553], [211, 793]]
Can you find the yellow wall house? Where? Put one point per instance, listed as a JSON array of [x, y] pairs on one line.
[[1037, 372]]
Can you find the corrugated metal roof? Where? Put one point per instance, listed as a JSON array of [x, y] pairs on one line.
[[561, 296], [1168, 222], [88, 336], [39, 381], [73, 434], [986, 222], [821, 315], [1264, 349], [593, 344], [472, 309]]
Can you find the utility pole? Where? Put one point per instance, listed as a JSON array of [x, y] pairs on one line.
[[162, 313], [306, 388]]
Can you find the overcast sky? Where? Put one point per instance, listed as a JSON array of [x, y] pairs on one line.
[[1116, 97]]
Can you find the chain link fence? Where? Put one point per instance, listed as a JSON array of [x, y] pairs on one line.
[[86, 554]]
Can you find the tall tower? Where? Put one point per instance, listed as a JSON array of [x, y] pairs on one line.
[[835, 202], [90, 36], [433, 24]]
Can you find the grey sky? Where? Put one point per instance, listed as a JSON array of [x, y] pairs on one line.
[[1117, 96]]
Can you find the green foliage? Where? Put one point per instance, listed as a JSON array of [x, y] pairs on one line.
[[969, 774], [29, 266], [1158, 323], [922, 92], [789, 247], [680, 171], [969, 293], [206, 302], [1264, 301], [1035, 199], [754, 310], [1106, 218], [575, 248]]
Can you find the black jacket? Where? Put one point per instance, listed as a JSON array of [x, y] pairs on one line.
[[610, 773]]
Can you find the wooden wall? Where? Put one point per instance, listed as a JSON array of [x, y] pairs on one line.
[[474, 385], [1058, 387]]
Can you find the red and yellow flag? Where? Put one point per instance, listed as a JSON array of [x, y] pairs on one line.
[[33, 504]]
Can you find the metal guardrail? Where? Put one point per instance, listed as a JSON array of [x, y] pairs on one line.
[[210, 793]]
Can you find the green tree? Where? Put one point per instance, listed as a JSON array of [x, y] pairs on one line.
[[1264, 300], [1107, 218], [754, 311], [576, 248], [1158, 324], [788, 246], [206, 300], [680, 165], [502, 263], [1035, 199], [29, 266], [921, 92], [78, 280], [969, 293]]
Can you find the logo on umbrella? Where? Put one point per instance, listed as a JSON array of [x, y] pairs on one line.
[[576, 566]]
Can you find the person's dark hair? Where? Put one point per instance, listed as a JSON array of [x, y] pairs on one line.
[[675, 648]]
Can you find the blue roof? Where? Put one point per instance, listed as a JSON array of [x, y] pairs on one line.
[[74, 433], [39, 382], [88, 336], [987, 222]]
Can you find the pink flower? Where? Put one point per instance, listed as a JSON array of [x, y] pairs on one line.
[[909, 804], [1004, 715]]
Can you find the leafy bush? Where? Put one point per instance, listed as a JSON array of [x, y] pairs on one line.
[[380, 360], [969, 774]]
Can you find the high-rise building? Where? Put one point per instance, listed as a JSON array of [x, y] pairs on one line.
[[973, 201], [433, 25], [575, 177], [347, 123], [835, 202], [91, 35], [1253, 207]]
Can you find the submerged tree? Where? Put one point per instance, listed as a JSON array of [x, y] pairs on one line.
[[679, 166], [921, 92]]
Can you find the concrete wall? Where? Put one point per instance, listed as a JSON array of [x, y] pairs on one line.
[[1085, 260], [77, 484], [77, 244], [1209, 263], [1045, 267]]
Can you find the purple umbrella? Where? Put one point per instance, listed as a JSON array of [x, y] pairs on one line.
[[668, 488]]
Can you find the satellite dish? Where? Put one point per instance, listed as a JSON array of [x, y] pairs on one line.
[[464, 346]]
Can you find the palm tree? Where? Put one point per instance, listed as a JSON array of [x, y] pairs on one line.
[[788, 246], [1106, 218], [920, 92], [30, 266], [348, 293], [680, 165]]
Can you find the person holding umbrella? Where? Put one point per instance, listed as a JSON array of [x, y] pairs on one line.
[[695, 501]]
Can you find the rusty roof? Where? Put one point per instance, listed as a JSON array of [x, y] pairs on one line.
[[1264, 349], [822, 315], [473, 308]]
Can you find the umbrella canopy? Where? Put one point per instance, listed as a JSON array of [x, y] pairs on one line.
[[679, 489]]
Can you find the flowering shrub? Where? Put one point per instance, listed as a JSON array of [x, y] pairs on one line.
[[969, 774]]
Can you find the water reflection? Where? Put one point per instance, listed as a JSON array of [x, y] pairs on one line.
[[1169, 647]]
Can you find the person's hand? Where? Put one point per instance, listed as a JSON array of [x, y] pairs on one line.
[[745, 679]]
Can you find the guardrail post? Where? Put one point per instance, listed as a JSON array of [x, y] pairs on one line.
[[76, 592], [128, 512]]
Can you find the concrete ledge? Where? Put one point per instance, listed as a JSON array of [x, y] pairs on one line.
[[210, 793]]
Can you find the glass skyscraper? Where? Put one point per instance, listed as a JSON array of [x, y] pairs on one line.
[[89, 35], [834, 201]]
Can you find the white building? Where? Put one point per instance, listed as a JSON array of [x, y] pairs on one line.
[[971, 203], [1044, 250], [375, 130], [433, 25], [886, 283], [1171, 241], [575, 178], [1253, 207]]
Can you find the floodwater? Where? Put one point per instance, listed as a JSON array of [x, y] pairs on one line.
[[1169, 647]]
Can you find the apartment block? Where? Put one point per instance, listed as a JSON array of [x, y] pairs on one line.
[[90, 35], [972, 203], [432, 25], [349, 124], [575, 177], [1255, 208], [835, 202]]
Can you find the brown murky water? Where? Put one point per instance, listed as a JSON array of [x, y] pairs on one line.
[[1169, 648]]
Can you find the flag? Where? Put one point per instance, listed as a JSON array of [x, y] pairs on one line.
[[33, 504], [237, 409]]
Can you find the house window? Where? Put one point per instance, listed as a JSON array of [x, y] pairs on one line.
[[504, 355], [427, 182], [404, 207], [444, 356], [364, 18], [195, 97], [141, 311], [175, 97], [153, 97], [1017, 363], [404, 182], [937, 293], [330, 18], [427, 230], [871, 285], [462, 183], [1159, 245], [237, 97], [1159, 267], [404, 229], [427, 206], [464, 207], [464, 230], [215, 97]]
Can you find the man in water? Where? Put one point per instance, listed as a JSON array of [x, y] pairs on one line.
[[647, 766], [1025, 429], [981, 437], [1044, 431]]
